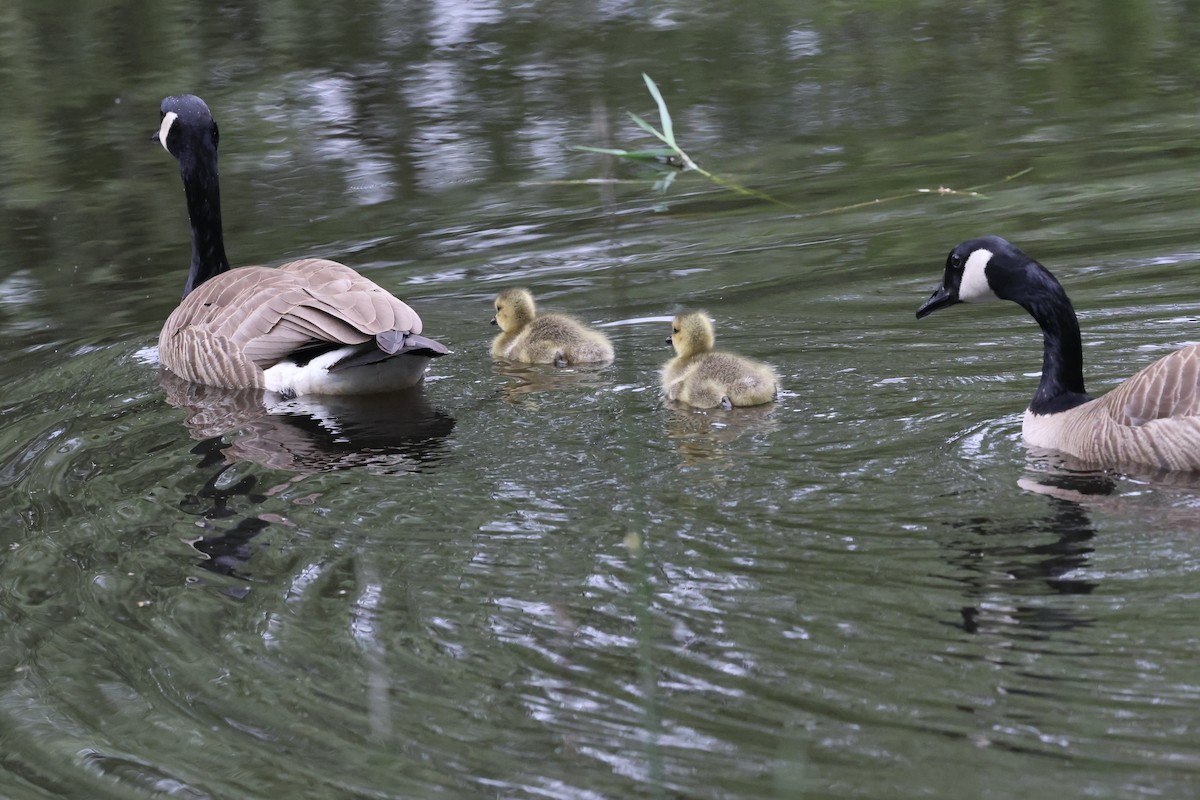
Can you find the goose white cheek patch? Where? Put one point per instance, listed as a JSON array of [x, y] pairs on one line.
[[168, 120], [974, 287]]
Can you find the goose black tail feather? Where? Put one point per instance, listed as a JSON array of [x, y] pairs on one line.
[[388, 345]]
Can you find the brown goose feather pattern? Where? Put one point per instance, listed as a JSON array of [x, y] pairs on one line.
[[232, 327], [1152, 418]]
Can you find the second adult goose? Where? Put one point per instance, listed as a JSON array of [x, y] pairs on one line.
[[308, 327], [1152, 419]]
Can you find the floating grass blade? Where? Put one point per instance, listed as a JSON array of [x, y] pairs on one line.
[[664, 116], [660, 154], [650, 129], [941, 190], [674, 157]]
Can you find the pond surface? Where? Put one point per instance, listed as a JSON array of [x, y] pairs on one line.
[[530, 582]]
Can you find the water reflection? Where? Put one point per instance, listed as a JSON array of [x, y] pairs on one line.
[[705, 435], [998, 564], [387, 434], [224, 552], [507, 644], [393, 433], [526, 380], [1163, 503], [1064, 476]]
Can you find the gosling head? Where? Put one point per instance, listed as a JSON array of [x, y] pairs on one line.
[[514, 310], [691, 334], [985, 269]]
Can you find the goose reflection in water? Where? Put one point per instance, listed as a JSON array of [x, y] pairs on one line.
[[225, 551], [398, 432], [392, 434], [1006, 565], [1057, 474]]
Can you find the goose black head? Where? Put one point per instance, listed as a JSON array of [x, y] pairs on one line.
[[187, 126], [188, 132], [978, 271]]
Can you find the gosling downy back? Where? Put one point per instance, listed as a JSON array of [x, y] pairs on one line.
[[544, 338], [309, 326], [1150, 420], [699, 377]]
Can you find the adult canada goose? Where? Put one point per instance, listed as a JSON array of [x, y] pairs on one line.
[[1152, 419], [544, 338], [308, 327], [704, 379]]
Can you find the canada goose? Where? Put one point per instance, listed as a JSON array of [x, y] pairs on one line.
[[543, 338], [309, 326], [1152, 419], [704, 379]]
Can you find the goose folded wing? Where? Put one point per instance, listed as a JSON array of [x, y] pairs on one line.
[[269, 313], [345, 294], [1170, 387]]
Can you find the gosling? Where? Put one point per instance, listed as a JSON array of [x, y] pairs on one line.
[[544, 339], [699, 377]]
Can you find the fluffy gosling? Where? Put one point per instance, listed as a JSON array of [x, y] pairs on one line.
[[546, 338], [699, 377]]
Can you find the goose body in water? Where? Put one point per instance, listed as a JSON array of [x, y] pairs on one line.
[[311, 326], [1152, 419]]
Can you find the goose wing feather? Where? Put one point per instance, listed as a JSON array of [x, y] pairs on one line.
[[1168, 388], [248, 319]]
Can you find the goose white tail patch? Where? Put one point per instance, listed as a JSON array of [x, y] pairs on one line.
[[974, 287], [167, 121], [292, 380], [289, 378]]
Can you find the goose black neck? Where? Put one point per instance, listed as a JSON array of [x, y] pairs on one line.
[[1061, 387], [200, 184]]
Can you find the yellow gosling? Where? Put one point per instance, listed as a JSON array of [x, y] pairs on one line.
[[699, 377], [544, 338]]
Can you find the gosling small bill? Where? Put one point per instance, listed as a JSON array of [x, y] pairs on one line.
[[702, 378], [544, 338]]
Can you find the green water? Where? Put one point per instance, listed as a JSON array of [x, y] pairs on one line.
[[530, 582]]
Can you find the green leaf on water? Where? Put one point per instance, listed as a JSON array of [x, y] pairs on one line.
[[640, 155], [674, 157], [664, 116], [647, 127]]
